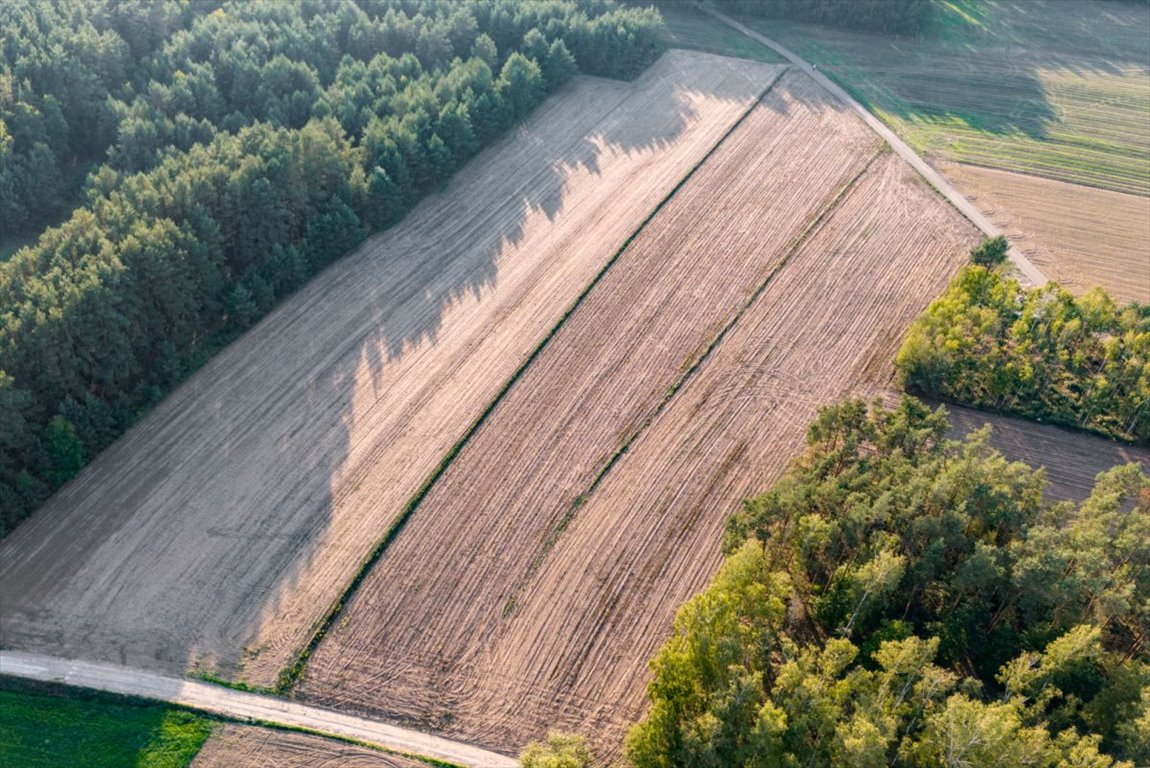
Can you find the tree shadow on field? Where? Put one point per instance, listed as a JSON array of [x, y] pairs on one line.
[[246, 500], [982, 62]]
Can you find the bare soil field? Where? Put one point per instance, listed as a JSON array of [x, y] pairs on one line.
[[218, 532], [1080, 236], [241, 746], [549, 622], [828, 325], [413, 631], [1072, 459]]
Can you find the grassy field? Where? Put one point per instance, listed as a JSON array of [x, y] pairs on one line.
[[1055, 89], [43, 727], [694, 30]]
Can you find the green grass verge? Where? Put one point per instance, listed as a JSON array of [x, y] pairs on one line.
[[52, 727]]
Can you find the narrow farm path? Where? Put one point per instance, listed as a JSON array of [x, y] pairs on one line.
[[243, 705], [1030, 273]]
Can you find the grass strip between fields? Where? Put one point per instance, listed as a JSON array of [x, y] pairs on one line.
[[114, 726], [688, 371], [291, 676]]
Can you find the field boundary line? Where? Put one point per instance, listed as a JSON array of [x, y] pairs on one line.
[[292, 675], [250, 708], [1031, 274], [800, 239]]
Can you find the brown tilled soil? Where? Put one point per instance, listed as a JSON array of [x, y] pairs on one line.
[[219, 530], [1080, 236], [241, 746], [550, 590], [1072, 459], [489, 521]]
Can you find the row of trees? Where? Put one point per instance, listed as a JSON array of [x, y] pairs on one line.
[[899, 17], [1041, 354], [898, 599], [270, 138]]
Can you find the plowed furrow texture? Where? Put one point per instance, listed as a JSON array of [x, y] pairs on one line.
[[218, 531], [1080, 236], [410, 640], [553, 598], [1072, 459], [828, 325], [239, 746]]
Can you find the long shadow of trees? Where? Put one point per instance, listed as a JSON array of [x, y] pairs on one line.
[[982, 64], [179, 542]]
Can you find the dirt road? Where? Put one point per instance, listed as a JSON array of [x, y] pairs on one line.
[[1030, 273], [242, 705]]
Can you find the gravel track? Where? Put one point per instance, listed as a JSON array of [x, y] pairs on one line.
[[242, 705]]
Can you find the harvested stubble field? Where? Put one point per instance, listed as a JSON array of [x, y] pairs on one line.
[[1072, 459], [1080, 236], [489, 520], [218, 531], [555, 583], [241, 746]]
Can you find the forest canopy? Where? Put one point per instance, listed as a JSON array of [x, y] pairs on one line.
[[900, 599], [222, 153], [1041, 353]]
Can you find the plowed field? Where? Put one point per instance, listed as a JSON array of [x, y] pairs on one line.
[[219, 530], [598, 382], [588, 506], [1072, 459], [238, 746], [1080, 236]]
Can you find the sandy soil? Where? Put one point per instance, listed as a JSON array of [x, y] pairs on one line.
[[564, 589], [240, 746], [219, 530], [1080, 236]]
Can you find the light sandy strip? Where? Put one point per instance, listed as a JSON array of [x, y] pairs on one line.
[[1030, 273], [243, 705]]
